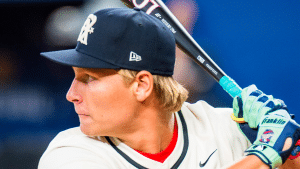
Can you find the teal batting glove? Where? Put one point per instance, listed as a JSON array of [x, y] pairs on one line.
[[274, 128], [253, 104]]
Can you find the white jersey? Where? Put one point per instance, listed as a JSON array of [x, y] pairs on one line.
[[207, 138]]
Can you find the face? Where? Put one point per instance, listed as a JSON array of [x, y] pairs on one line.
[[104, 104]]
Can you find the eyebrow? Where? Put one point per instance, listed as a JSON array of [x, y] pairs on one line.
[[92, 71], [80, 70]]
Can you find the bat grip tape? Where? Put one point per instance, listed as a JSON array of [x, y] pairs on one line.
[[230, 86]]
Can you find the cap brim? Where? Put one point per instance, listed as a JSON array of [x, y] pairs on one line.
[[71, 57]]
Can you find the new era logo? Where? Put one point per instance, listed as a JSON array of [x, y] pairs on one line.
[[134, 57]]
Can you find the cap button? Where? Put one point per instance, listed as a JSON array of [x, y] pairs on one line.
[[136, 8]]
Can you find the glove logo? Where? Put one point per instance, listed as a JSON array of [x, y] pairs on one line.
[[266, 136], [87, 29], [273, 121], [259, 147]]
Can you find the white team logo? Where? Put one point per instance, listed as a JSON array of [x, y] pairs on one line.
[[134, 57], [87, 29]]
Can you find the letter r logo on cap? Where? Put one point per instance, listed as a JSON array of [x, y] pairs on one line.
[[87, 29]]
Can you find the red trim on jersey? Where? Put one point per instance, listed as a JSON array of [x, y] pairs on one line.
[[163, 155]]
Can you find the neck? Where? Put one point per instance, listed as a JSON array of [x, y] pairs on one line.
[[153, 131]]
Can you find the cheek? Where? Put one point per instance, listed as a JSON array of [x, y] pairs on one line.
[[110, 100], [112, 108]]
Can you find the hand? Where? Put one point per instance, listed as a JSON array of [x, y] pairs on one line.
[[253, 104], [256, 104], [257, 109], [275, 128]]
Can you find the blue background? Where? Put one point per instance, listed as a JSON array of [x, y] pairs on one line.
[[254, 42]]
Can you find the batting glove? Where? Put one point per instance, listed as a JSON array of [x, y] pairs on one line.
[[254, 104], [258, 110], [250, 107], [274, 128]]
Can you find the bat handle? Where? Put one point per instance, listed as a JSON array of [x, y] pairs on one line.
[[230, 86]]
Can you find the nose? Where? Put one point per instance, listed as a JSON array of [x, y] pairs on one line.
[[73, 93]]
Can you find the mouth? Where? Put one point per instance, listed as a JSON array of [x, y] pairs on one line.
[[81, 114]]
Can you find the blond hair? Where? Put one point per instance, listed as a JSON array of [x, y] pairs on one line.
[[168, 91]]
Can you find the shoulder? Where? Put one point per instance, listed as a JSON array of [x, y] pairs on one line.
[[216, 121], [74, 137], [202, 109], [73, 149]]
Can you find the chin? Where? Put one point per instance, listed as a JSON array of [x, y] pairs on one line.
[[89, 131]]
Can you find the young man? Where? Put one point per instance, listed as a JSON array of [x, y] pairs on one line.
[[133, 114]]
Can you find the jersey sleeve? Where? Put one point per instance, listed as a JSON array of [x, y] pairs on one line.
[[227, 134], [71, 158], [71, 149], [231, 129]]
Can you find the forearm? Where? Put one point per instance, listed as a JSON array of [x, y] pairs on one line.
[[249, 162], [253, 162]]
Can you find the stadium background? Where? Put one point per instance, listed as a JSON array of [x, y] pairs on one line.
[[255, 42]]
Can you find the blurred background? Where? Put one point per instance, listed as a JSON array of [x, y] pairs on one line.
[[254, 42]]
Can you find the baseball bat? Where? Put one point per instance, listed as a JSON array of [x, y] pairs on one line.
[[188, 45], [186, 42]]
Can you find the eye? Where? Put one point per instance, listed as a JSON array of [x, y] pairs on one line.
[[90, 78], [86, 78]]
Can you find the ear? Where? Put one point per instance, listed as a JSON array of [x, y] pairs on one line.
[[143, 85]]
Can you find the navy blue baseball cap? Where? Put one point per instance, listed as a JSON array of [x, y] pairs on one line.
[[121, 38]]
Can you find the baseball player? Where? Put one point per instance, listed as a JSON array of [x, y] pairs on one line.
[[133, 114]]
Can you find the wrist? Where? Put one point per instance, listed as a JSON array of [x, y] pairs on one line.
[[266, 154], [249, 162], [257, 162]]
